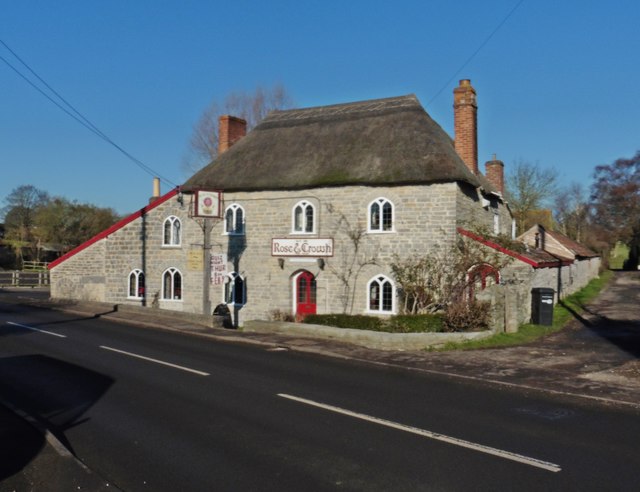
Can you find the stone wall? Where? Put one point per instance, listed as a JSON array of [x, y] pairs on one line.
[[513, 296], [82, 277], [425, 216]]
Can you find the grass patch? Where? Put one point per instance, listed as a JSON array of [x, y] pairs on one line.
[[563, 312], [618, 256]]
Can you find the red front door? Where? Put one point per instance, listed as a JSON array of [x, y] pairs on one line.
[[305, 295]]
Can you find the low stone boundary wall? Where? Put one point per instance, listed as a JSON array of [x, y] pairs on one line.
[[370, 339]]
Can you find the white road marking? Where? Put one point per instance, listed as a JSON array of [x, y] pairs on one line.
[[36, 329], [432, 435], [175, 366]]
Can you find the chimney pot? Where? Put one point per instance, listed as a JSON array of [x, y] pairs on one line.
[[156, 190], [465, 117]]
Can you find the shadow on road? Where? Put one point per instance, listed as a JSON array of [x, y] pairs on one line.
[[623, 331], [56, 393]]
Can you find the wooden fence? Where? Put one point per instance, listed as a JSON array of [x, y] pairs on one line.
[[24, 278]]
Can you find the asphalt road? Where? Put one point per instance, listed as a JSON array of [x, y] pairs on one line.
[[153, 410]]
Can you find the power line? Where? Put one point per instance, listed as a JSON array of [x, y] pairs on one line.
[[75, 114], [482, 45]]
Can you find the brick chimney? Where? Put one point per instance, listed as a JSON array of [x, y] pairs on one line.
[[465, 122], [230, 130], [495, 174]]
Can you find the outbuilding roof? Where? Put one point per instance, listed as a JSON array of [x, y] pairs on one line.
[[388, 141]]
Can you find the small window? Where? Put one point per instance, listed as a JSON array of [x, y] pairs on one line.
[[234, 219], [303, 218], [172, 231], [136, 284], [172, 285], [496, 221], [234, 289], [381, 215], [380, 295]]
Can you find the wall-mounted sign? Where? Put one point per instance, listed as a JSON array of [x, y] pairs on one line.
[[218, 268], [194, 260], [302, 247], [208, 204]]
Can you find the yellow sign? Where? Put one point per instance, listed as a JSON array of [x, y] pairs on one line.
[[194, 260]]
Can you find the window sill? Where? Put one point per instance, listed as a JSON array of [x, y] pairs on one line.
[[171, 246], [387, 313], [381, 232]]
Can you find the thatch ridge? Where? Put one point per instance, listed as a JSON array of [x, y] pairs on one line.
[[389, 141]]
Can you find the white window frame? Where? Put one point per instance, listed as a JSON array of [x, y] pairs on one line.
[[229, 291], [381, 201], [136, 272], [380, 280], [234, 209], [174, 238], [305, 205], [172, 271]]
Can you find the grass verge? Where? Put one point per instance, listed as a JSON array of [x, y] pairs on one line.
[[563, 312]]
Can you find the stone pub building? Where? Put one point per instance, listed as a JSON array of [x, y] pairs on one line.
[[304, 214]]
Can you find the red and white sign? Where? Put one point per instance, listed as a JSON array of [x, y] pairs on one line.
[[313, 247], [218, 268], [208, 204]]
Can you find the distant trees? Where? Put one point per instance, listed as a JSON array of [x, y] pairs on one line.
[[615, 196], [529, 188], [572, 212], [252, 107], [20, 211], [35, 222]]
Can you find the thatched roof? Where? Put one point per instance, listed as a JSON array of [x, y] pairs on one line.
[[378, 142]]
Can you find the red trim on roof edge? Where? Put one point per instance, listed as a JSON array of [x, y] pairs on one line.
[[118, 225], [513, 254]]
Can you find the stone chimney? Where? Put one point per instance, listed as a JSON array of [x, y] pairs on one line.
[[156, 190], [494, 170], [230, 130], [465, 122]]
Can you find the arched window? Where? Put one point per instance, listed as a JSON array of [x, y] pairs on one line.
[[303, 217], [480, 277], [172, 284], [381, 295], [234, 289], [136, 284], [172, 231], [234, 219], [381, 215]]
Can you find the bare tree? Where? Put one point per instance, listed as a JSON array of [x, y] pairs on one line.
[[529, 187], [19, 218], [252, 107], [572, 212]]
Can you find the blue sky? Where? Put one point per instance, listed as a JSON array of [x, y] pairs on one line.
[[556, 82]]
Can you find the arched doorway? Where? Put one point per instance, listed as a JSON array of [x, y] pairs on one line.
[[480, 277], [304, 292]]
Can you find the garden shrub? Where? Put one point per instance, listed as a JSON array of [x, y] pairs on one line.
[[467, 316], [357, 321], [418, 323], [395, 324]]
